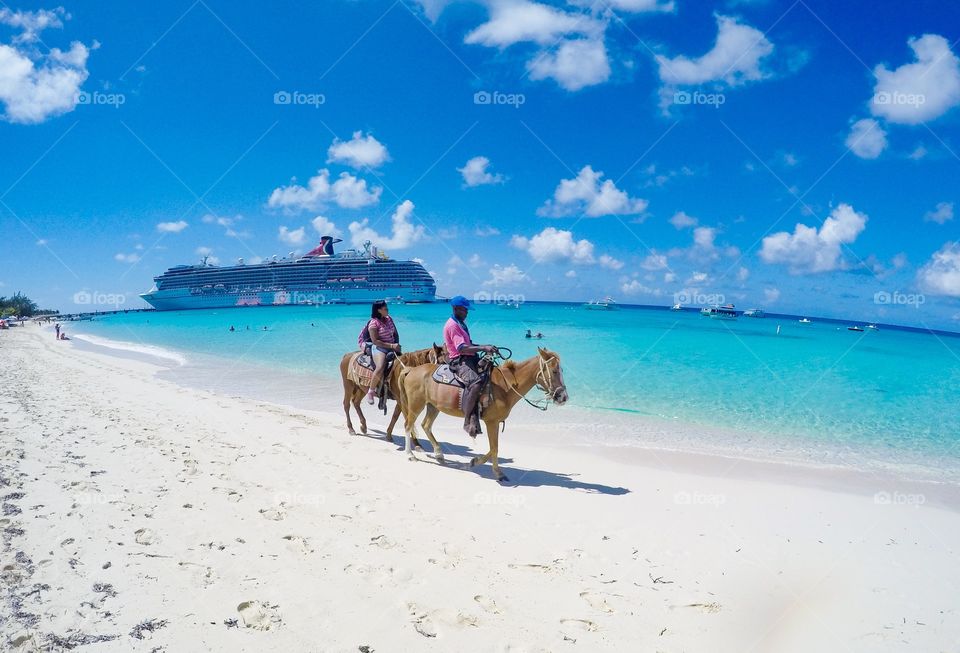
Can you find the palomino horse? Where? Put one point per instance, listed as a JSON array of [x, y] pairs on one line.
[[353, 393], [509, 383]]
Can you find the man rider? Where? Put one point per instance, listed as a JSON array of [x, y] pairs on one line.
[[462, 354]]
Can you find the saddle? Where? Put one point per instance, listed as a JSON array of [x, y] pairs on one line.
[[445, 376]]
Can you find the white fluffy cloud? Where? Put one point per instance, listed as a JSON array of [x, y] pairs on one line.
[[607, 261], [505, 276], [943, 213], [867, 139], [587, 195], [771, 294], [575, 64], [941, 274], [325, 227], [516, 21], [572, 47], [172, 227], [35, 86], [475, 172], [293, 237], [359, 152], [555, 245], [681, 220], [207, 253], [127, 258], [403, 232], [347, 191], [736, 58], [920, 91], [808, 250]]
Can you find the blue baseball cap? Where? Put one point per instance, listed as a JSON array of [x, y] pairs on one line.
[[460, 300]]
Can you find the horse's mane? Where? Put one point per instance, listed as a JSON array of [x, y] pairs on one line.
[[418, 357]]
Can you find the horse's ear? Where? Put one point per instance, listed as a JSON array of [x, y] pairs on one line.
[[541, 350]]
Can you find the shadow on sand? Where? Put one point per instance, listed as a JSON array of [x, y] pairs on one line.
[[517, 477]]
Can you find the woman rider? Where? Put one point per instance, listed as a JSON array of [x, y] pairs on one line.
[[383, 338]]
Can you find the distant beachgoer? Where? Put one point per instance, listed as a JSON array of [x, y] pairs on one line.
[[265, 328], [539, 335], [232, 329], [383, 337], [248, 327], [63, 335], [57, 327], [528, 334]]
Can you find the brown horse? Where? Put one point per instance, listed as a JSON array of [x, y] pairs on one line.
[[353, 393], [509, 383]]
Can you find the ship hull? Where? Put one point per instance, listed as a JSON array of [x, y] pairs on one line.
[[183, 299]]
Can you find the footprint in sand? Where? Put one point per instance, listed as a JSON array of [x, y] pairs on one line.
[[596, 601], [190, 469], [201, 575], [232, 495], [273, 514], [383, 542], [487, 603], [259, 616], [298, 544], [427, 622], [145, 536], [341, 517], [580, 624]]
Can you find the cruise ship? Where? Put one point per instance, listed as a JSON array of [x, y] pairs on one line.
[[320, 276]]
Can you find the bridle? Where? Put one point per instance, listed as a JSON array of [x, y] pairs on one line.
[[544, 381]]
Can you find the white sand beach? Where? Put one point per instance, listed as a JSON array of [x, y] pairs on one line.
[[143, 516]]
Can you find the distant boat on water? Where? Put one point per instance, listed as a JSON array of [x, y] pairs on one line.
[[676, 307], [873, 327], [725, 312], [854, 328], [605, 304], [754, 312], [804, 320], [512, 305]]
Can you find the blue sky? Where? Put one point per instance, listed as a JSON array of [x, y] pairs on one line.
[[800, 156]]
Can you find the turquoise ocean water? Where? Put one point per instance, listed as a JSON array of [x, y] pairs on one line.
[[651, 376]]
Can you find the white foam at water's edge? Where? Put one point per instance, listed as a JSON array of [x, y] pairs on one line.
[[149, 350]]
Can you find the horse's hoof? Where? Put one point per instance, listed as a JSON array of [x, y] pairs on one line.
[[352, 432], [440, 459], [503, 479], [389, 438], [474, 460], [413, 458], [363, 429]]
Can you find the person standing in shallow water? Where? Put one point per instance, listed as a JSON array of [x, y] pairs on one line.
[[464, 361], [383, 337]]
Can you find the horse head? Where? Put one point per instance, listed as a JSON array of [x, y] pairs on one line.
[[438, 354], [550, 377]]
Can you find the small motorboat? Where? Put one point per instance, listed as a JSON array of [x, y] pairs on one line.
[[854, 328], [676, 307], [804, 320], [873, 327], [753, 312]]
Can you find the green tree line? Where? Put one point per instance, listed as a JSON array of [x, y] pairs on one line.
[[21, 306]]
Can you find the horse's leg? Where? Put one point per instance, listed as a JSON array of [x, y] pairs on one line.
[[348, 389], [493, 437], [393, 422], [357, 397], [427, 424]]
